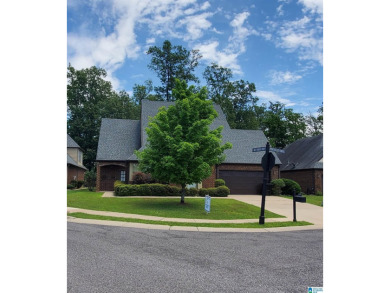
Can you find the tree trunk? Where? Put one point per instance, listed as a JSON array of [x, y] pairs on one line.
[[183, 192]]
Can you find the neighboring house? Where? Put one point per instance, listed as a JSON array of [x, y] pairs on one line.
[[76, 168], [119, 138], [302, 162]]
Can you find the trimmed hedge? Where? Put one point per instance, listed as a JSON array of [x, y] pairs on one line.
[[221, 191], [157, 189], [154, 189], [290, 186], [219, 182], [70, 186]]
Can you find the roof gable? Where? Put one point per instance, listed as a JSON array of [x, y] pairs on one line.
[[71, 143], [119, 138], [305, 153]]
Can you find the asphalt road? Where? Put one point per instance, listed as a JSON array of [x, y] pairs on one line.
[[116, 259]]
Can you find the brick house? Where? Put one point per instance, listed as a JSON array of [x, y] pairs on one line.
[[75, 165], [119, 138], [303, 163]]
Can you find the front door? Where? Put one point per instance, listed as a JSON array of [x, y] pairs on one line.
[[108, 176]]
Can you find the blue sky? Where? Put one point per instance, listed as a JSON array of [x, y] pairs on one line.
[[275, 44]]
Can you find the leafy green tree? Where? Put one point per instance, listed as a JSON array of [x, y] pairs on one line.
[[282, 126], [120, 106], [141, 92], [170, 62], [90, 98], [235, 98], [90, 179], [315, 124], [181, 148]]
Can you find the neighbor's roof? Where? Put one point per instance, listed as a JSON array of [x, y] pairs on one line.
[[118, 139], [70, 161], [71, 143], [128, 133], [305, 153]]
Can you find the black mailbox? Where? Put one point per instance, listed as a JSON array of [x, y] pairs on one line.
[[300, 198]]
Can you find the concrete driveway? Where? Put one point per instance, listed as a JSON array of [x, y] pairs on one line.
[[284, 206]]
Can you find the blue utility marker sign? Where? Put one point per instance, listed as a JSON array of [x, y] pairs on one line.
[[263, 149], [207, 200], [276, 150]]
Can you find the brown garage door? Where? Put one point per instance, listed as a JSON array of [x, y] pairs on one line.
[[243, 182], [108, 175]]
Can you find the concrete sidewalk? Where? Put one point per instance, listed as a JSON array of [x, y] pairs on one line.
[[282, 206]]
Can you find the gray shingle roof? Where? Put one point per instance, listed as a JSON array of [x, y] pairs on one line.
[[71, 143], [304, 153], [127, 137], [243, 142], [118, 139]]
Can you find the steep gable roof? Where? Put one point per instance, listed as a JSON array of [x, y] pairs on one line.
[[305, 153], [118, 139], [71, 143]]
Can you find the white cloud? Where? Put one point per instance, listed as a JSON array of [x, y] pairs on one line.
[[240, 33], [150, 41], [302, 36], [281, 77], [195, 25], [279, 10], [314, 6], [272, 97], [225, 59], [109, 50]]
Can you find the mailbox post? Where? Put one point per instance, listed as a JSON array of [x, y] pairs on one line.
[[297, 198]]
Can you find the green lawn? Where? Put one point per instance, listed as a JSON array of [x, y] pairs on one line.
[[221, 208], [312, 199], [215, 225]]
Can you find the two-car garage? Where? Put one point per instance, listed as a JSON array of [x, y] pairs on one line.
[[242, 182]]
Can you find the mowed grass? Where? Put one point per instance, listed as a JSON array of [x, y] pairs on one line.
[[221, 208], [214, 225], [312, 199]]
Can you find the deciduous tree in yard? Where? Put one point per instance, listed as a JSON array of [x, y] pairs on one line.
[[181, 148]]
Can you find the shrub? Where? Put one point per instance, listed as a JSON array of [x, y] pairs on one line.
[[290, 186], [146, 190], [219, 182], [140, 178], [192, 191], [70, 186], [221, 191], [202, 192], [318, 193], [277, 186], [77, 183], [90, 179]]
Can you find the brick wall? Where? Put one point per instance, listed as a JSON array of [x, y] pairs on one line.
[[73, 172], [310, 180]]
